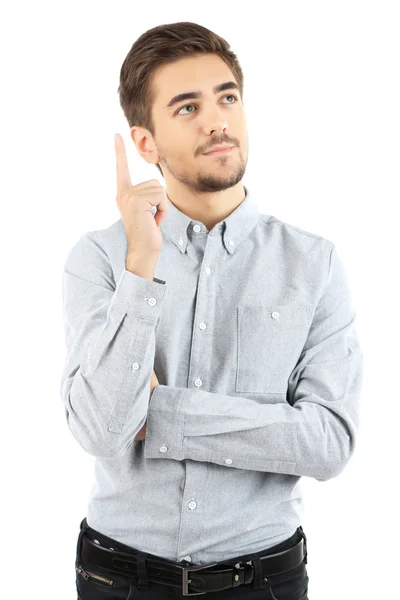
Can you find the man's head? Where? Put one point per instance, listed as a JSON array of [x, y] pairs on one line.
[[169, 61]]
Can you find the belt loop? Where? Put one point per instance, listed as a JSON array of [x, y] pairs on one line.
[[258, 581], [84, 526], [82, 530], [303, 535], [143, 582]]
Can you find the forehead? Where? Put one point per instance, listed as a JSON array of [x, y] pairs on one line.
[[199, 72]]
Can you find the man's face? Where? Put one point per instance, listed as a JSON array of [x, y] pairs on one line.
[[185, 129]]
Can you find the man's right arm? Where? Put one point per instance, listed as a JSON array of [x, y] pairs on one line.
[[110, 339]]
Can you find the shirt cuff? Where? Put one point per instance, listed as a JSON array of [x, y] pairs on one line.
[[165, 423]]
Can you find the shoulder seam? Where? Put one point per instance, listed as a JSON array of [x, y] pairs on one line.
[[308, 233]]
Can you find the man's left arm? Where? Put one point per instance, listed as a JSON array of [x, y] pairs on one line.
[[312, 433]]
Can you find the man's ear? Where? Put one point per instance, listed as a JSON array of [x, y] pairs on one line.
[[144, 143]]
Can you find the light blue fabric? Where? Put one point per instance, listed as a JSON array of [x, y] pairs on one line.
[[251, 331]]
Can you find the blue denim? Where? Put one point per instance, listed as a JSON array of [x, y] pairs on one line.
[[292, 585]]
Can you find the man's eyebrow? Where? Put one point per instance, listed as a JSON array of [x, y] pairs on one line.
[[228, 85]]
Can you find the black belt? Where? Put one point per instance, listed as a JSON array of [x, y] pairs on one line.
[[203, 578]]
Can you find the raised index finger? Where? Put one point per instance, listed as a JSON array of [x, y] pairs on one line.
[[123, 176]]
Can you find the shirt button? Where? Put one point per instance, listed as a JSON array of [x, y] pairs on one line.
[[228, 461], [208, 270], [202, 325], [163, 448], [152, 301], [135, 366], [192, 505], [188, 558], [231, 243], [180, 241], [197, 228], [275, 314], [198, 382]]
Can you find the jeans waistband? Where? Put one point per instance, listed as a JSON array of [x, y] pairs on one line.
[[108, 542]]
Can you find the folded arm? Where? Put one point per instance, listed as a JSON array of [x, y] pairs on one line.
[[309, 432]]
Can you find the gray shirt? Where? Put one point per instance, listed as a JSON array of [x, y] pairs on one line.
[[250, 329]]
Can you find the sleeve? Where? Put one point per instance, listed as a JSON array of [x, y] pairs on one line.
[[110, 343], [312, 433]]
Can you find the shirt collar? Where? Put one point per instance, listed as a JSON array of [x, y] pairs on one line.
[[233, 229]]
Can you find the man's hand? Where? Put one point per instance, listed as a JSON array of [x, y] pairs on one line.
[[141, 435]]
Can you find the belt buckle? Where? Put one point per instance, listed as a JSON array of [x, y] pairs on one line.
[[186, 580]]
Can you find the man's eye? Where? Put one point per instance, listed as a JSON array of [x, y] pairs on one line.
[[186, 105]]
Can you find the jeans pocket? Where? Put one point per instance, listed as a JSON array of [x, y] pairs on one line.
[[96, 583]]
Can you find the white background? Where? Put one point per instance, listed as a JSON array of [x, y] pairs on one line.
[[322, 104]]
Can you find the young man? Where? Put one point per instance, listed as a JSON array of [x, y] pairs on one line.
[[212, 356]]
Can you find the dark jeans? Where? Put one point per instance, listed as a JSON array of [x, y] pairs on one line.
[[292, 585]]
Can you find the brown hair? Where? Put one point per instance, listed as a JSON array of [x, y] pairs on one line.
[[161, 45]]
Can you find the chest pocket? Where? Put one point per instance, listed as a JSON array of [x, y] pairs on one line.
[[270, 339]]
